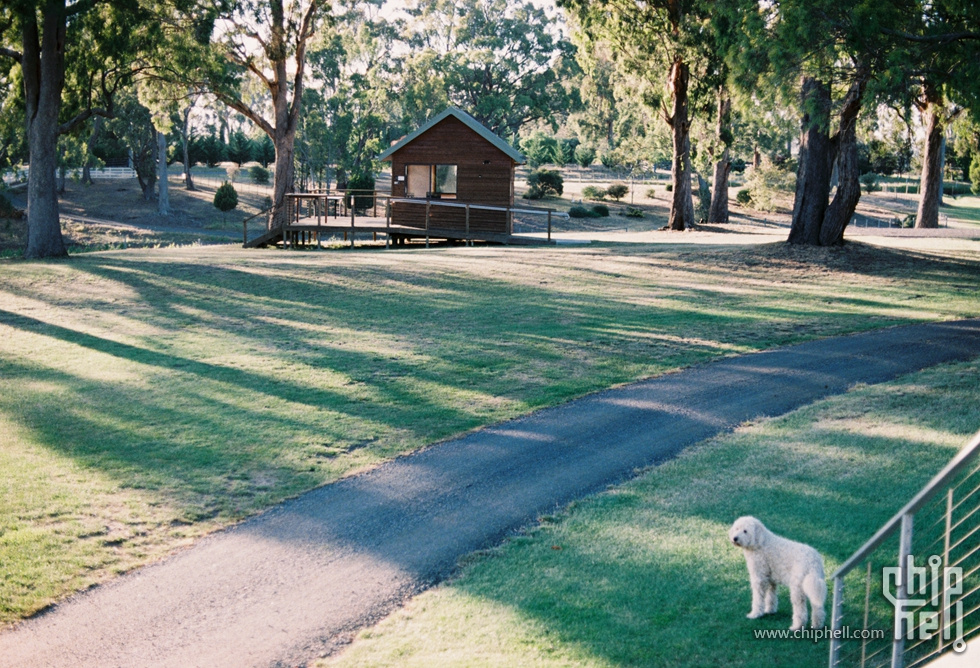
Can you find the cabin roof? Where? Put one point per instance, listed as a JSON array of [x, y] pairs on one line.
[[467, 120]]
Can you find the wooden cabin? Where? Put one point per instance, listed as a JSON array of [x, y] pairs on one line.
[[453, 158]]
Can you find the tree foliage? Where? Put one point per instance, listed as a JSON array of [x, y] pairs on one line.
[[502, 61]]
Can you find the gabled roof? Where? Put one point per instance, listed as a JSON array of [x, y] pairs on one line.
[[470, 122]]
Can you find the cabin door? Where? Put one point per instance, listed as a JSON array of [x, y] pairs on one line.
[[417, 180]]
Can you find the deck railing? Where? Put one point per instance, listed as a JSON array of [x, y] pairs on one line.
[[317, 205], [925, 590]]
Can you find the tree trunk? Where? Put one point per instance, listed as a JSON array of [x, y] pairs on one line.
[[283, 177], [681, 206], [942, 170], [845, 201], [43, 70], [163, 201], [932, 182], [816, 164], [718, 213], [90, 146], [185, 141]]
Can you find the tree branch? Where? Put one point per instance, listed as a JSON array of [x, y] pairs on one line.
[[945, 37], [10, 53], [68, 126], [246, 111]]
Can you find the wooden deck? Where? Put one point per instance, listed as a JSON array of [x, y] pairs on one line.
[[312, 232]]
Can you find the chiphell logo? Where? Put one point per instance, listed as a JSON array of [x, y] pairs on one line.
[[926, 608]]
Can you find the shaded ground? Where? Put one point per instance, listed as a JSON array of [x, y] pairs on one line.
[[291, 584]]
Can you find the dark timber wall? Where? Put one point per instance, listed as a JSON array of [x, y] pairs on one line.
[[484, 175]]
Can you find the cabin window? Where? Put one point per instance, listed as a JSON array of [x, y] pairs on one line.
[[430, 181]]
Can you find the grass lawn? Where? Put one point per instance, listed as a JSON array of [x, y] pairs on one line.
[[643, 574], [150, 396]]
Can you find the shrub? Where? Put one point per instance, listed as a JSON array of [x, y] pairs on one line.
[[704, 199], [737, 165], [593, 193], [581, 212], [909, 220], [633, 212], [544, 183], [870, 182], [225, 197], [975, 174], [609, 160], [259, 174], [744, 197], [768, 184], [361, 182], [600, 210], [7, 209], [539, 148], [652, 193], [584, 156], [669, 187], [617, 191]]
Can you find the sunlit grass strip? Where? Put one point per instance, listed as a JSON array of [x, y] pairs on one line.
[[644, 575], [202, 385]]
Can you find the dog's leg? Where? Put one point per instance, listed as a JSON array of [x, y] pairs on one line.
[[815, 589], [759, 582], [772, 600], [798, 598]]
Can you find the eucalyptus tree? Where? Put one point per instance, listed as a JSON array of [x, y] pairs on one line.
[[251, 56], [353, 103], [826, 53], [661, 39], [79, 52], [937, 51], [502, 61]]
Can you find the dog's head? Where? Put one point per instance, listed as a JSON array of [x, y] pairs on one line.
[[747, 532]]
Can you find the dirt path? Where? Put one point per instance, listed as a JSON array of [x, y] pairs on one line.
[[293, 583]]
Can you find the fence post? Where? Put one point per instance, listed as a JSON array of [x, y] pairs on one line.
[[549, 225], [352, 205], [469, 242], [427, 207], [901, 621], [836, 613], [943, 617], [388, 224]]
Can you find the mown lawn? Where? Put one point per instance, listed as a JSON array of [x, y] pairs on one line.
[[644, 575], [150, 396]]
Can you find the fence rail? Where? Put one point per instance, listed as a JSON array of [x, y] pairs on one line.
[[929, 588]]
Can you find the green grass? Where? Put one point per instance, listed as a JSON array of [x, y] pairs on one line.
[[643, 575], [964, 208], [150, 396]]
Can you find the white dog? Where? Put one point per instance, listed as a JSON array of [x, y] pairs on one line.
[[775, 560]]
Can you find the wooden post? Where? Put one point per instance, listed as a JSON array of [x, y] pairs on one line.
[[469, 242], [351, 221], [549, 225], [427, 206], [388, 225]]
